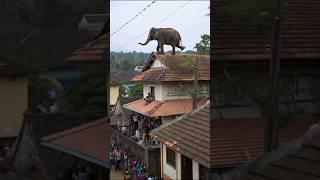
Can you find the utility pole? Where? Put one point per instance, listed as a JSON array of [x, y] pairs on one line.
[[271, 126], [195, 86]]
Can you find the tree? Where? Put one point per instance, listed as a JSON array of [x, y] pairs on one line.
[[136, 91], [203, 47], [88, 92]]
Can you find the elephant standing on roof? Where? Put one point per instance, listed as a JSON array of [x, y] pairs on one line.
[[164, 36]]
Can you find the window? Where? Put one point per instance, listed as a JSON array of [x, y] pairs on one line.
[[203, 172], [171, 157]]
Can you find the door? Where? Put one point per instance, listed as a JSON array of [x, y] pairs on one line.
[[186, 168]]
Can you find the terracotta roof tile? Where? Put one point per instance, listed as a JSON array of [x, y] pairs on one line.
[[234, 138], [177, 68], [90, 140], [236, 39], [8, 67], [298, 159], [190, 135], [93, 51], [165, 108]]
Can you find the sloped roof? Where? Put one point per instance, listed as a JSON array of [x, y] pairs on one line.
[[93, 51], [8, 67], [236, 140], [96, 18], [236, 39], [165, 108], [36, 126], [94, 23], [71, 141], [176, 68], [299, 159], [189, 136]]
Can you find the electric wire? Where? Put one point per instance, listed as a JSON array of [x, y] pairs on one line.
[[132, 18], [126, 44]]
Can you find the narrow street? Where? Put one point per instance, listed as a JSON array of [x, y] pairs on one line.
[[116, 175]]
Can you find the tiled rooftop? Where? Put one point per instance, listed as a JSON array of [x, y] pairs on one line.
[[237, 140], [296, 160], [236, 39], [165, 108], [176, 68], [8, 67], [189, 136], [89, 140], [93, 51]]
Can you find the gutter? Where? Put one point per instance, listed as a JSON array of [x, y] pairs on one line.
[[77, 154]]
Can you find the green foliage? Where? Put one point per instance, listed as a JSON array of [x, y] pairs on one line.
[[203, 47], [38, 90], [136, 91], [127, 61], [88, 92]]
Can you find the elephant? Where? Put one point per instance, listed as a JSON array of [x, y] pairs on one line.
[[164, 36]]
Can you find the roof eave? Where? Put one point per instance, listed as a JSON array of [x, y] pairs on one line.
[[76, 154]]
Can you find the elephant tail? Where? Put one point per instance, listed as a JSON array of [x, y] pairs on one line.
[[180, 45]]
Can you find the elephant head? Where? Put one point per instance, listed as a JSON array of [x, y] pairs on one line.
[[153, 35]]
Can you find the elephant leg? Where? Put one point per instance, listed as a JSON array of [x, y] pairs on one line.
[[173, 50], [162, 50], [158, 47]]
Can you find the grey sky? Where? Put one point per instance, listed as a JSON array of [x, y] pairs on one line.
[[190, 21]]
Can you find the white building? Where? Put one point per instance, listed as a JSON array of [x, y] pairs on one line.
[[170, 81], [185, 146]]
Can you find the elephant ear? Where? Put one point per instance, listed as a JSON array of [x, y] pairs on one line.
[[156, 35]]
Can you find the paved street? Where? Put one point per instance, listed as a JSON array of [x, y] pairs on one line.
[[115, 175]]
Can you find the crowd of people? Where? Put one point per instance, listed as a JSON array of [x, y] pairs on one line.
[[49, 104], [75, 173], [139, 127], [5, 157], [122, 160]]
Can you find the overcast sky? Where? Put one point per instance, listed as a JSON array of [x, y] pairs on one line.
[[190, 21]]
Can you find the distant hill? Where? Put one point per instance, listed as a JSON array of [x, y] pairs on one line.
[[127, 61]]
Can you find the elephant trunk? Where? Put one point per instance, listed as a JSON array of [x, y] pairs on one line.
[[147, 41]]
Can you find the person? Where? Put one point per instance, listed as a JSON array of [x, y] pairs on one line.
[[111, 158], [123, 129], [83, 174], [135, 121], [6, 150], [147, 136], [125, 157], [118, 159], [126, 175]]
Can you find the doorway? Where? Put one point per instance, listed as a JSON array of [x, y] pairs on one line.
[[186, 168]]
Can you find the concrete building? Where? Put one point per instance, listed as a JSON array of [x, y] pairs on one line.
[[169, 80], [185, 146], [14, 98]]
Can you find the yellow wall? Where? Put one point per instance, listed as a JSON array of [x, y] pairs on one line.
[[13, 103], [114, 93]]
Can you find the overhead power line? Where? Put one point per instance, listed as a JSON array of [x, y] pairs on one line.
[[126, 44], [132, 18]]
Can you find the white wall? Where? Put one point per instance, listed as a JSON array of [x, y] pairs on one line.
[[157, 91], [169, 91], [157, 64], [195, 169], [167, 119], [167, 169]]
